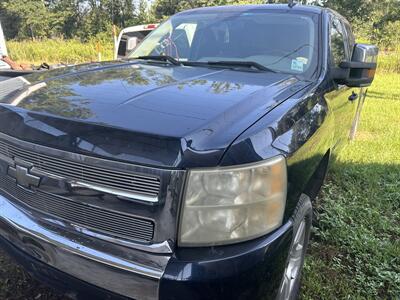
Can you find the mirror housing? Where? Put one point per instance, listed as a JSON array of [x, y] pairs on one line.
[[360, 71]]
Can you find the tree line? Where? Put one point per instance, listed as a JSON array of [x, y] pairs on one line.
[[374, 20]]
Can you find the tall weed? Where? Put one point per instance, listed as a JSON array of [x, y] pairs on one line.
[[53, 51]]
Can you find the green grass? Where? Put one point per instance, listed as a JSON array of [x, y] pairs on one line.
[[355, 249], [389, 61], [55, 51]]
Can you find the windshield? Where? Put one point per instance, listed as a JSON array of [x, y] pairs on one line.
[[283, 42]]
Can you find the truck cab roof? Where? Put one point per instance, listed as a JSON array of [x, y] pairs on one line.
[[252, 7]]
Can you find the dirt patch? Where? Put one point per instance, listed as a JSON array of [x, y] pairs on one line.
[[16, 284]]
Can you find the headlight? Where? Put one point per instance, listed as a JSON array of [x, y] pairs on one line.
[[232, 204]]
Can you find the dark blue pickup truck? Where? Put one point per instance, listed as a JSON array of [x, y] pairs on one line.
[[187, 171]]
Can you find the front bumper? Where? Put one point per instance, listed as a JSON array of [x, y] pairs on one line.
[[250, 270], [107, 265]]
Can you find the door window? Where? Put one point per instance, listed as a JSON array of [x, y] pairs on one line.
[[338, 52], [351, 41]]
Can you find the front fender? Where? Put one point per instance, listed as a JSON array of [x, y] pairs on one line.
[[301, 129]]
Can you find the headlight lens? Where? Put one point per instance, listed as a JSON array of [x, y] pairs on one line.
[[228, 205]]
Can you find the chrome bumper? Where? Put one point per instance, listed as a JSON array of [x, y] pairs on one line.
[[107, 265]]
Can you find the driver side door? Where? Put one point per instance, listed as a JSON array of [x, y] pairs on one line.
[[342, 99]]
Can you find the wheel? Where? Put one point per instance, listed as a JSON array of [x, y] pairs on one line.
[[302, 220]]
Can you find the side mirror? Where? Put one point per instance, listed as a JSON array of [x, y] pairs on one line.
[[360, 71]]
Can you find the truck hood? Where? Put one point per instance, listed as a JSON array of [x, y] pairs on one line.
[[151, 114]]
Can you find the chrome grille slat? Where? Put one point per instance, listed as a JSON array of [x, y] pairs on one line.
[[109, 178], [109, 173], [44, 202], [72, 163], [96, 226], [3, 150], [85, 176], [52, 166], [104, 228], [60, 207], [42, 159], [107, 229], [94, 218], [120, 221], [92, 179]]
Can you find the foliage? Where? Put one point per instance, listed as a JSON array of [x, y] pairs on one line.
[[355, 249], [375, 20], [389, 61], [164, 8], [31, 17], [68, 18], [55, 51]]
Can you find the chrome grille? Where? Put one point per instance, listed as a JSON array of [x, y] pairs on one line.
[[91, 217], [140, 184]]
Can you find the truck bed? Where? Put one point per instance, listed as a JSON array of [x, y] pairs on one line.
[[6, 74]]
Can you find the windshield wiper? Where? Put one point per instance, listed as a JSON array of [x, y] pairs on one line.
[[165, 58], [246, 64]]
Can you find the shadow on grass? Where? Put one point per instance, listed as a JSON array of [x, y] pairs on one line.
[[381, 95]]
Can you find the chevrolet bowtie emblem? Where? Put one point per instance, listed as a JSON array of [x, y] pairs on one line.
[[23, 177]]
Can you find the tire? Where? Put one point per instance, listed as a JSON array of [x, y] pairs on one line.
[[302, 220]]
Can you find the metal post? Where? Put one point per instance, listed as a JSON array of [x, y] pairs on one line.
[[354, 127]]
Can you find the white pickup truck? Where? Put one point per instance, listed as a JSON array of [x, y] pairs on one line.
[[3, 51]]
